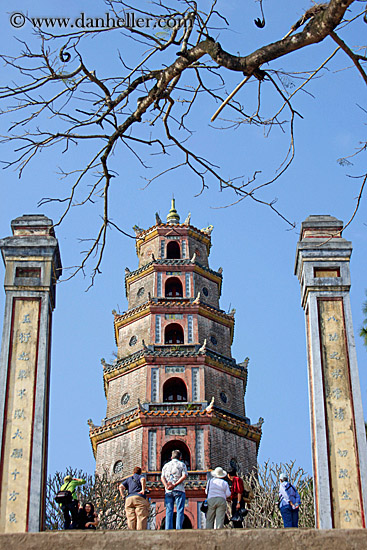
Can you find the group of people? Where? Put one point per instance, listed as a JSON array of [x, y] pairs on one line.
[[174, 473], [219, 492], [173, 478], [137, 506], [76, 515]]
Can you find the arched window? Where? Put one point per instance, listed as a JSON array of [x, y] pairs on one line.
[[174, 390], [173, 288], [173, 446], [173, 334], [173, 250], [186, 522]]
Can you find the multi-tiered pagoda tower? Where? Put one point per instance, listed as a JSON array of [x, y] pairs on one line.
[[174, 384]]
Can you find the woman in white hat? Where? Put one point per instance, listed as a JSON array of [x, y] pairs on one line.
[[217, 490]]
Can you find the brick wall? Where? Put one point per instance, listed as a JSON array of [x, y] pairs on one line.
[[213, 296], [126, 447], [146, 282], [207, 328], [134, 384], [217, 382], [147, 249], [225, 445], [139, 328], [200, 249]]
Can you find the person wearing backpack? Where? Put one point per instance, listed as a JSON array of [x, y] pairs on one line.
[[289, 501], [136, 504], [68, 500]]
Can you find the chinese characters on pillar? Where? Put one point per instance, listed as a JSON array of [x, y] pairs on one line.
[[19, 415], [343, 454]]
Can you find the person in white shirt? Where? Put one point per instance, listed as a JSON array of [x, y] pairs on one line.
[[218, 491], [173, 476]]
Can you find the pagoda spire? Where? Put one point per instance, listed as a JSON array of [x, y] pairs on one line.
[[172, 217]]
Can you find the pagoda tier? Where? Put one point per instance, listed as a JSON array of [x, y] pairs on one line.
[[174, 384]]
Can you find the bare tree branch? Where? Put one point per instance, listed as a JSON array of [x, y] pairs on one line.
[[176, 69]]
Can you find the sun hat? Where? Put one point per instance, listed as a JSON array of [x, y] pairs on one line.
[[283, 477], [219, 472], [67, 479]]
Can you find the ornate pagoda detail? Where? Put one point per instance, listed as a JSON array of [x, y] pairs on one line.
[[174, 384]]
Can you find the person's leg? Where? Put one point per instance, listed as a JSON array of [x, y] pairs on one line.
[[180, 498], [210, 515], [142, 513], [169, 502], [286, 512], [220, 513], [295, 518], [65, 511], [233, 506], [236, 524], [73, 507], [130, 513]]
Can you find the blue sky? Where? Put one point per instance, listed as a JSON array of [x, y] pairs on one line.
[[253, 245]]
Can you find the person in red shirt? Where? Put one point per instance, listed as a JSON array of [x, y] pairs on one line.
[[237, 490]]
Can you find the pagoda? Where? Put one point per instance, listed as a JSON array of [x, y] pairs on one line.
[[174, 384]]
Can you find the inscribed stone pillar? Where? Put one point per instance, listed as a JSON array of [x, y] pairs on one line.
[[337, 424], [32, 267]]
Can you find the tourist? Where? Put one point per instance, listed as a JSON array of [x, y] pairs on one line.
[[87, 517], [136, 503], [289, 501], [218, 491], [71, 507], [173, 476], [237, 502]]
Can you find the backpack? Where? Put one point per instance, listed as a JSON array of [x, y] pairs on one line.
[[64, 496]]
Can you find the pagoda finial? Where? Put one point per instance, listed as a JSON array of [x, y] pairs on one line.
[[173, 218]]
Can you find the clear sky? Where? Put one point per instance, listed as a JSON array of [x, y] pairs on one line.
[[255, 247]]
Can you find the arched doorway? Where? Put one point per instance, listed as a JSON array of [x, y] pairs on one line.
[[172, 446], [173, 250], [173, 334], [174, 390], [186, 522], [173, 288]]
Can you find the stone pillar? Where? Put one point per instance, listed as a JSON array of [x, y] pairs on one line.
[[32, 267], [337, 424]]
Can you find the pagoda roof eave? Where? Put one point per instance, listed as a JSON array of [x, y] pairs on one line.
[[140, 418], [171, 262], [160, 305], [173, 353], [164, 226]]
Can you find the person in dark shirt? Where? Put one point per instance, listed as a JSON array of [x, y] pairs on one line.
[[237, 490], [87, 517], [136, 504]]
